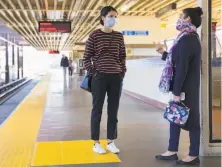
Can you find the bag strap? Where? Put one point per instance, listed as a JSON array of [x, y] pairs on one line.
[[196, 35], [105, 49], [183, 104]]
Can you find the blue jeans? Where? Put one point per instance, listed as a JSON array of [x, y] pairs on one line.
[[175, 136]]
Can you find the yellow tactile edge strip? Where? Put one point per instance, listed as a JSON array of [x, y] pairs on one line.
[[70, 153], [18, 134]]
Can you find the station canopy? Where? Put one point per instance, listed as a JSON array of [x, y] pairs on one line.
[[79, 18]]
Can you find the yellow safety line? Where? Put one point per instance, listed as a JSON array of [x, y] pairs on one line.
[[18, 134]]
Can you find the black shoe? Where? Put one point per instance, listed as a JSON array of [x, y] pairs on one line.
[[194, 162], [173, 157]]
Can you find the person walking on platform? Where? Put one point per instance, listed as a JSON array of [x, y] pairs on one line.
[[70, 67], [65, 64], [185, 58], [104, 59]]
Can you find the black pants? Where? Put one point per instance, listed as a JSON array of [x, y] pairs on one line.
[[70, 71], [194, 140], [112, 85]]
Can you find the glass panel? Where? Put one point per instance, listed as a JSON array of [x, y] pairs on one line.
[[216, 55]]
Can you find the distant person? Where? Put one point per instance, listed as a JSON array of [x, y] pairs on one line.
[[65, 64], [104, 59], [70, 67], [185, 59]]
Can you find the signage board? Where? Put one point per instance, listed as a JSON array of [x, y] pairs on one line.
[[129, 51], [163, 25], [54, 52], [55, 26], [136, 33]]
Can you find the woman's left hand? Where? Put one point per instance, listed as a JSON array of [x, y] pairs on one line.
[[176, 98]]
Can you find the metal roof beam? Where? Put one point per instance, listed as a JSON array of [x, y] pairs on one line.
[[23, 31], [70, 39], [30, 23]]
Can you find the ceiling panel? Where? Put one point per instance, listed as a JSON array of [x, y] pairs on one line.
[[23, 16]]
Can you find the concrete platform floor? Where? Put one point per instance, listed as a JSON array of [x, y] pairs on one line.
[[51, 127], [143, 132]]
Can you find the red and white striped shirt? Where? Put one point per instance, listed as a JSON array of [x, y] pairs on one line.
[[112, 60]]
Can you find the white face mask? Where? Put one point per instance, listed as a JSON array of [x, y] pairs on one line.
[[110, 22]]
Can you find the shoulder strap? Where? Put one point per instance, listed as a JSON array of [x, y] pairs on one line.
[[107, 47], [195, 34]]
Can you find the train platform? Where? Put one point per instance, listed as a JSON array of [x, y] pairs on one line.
[[51, 127]]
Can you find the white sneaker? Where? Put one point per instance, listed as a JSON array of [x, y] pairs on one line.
[[97, 148], [112, 148]]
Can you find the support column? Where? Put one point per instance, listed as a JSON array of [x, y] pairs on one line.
[[22, 62], [207, 148], [13, 53], [13, 61], [6, 61], [214, 39], [18, 64]]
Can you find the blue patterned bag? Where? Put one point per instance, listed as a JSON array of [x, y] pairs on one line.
[[177, 113]]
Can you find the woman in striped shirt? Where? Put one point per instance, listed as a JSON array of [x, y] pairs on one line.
[[104, 59]]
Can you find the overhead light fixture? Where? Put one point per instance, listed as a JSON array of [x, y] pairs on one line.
[[128, 4], [54, 15]]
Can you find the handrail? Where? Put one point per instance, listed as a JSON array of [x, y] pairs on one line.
[[10, 91], [10, 85]]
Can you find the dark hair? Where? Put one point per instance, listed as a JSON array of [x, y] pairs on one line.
[[105, 10], [195, 15]]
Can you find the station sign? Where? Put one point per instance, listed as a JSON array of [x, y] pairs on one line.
[[54, 52], [55, 26], [163, 25], [136, 33]]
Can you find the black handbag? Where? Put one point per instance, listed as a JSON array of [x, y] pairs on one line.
[[87, 81]]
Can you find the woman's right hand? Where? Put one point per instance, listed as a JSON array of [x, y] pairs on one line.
[[159, 48]]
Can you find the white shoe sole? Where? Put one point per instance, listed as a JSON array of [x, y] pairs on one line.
[[117, 152], [99, 152]]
